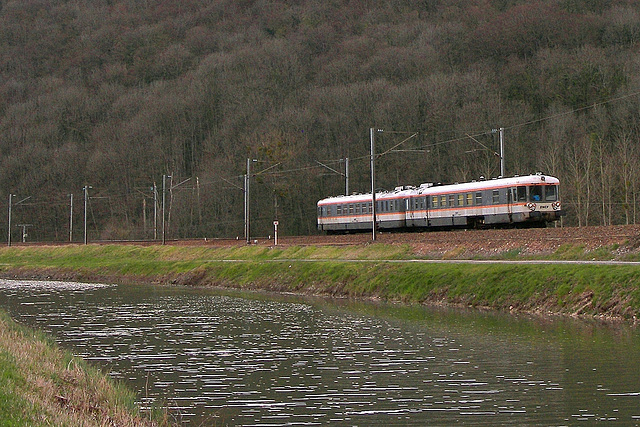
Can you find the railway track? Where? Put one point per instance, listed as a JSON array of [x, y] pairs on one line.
[[528, 241]]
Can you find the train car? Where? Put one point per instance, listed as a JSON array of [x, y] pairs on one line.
[[528, 201]]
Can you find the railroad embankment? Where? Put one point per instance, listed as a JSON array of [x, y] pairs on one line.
[[377, 271], [43, 385]]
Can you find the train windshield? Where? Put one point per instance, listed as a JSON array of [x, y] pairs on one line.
[[546, 193], [551, 193]]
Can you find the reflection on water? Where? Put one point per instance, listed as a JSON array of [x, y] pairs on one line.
[[217, 358]]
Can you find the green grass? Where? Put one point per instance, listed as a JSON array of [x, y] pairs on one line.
[[15, 409], [354, 271], [42, 385]]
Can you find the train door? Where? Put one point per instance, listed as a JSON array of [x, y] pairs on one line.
[[426, 204], [414, 212], [409, 209], [511, 197], [423, 210]]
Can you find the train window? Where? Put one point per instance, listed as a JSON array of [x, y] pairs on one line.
[[386, 206], [535, 193], [351, 209], [551, 193], [478, 198], [370, 207], [443, 201], [469, 199], [452, 199], [495, 197], [460, 199], [434, 202], [522, 194], [339, 210], [357, 208]]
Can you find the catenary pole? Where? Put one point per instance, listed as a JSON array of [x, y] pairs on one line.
[[164, 197], [155, 211], [247, 181], [71, 217], [502, 152], [86, 198], [9, 232], [373, 184], [346, 175]]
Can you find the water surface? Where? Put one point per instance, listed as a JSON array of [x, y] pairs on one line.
[[217, 358]]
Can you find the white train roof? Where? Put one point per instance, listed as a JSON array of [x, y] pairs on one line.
[[436, 189]]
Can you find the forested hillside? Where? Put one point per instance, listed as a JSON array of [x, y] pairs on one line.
[[114, 94]]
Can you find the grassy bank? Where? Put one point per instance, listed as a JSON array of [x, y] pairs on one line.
[[368, 271], [42, 385]]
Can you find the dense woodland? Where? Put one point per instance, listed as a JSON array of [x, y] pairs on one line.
[[114, 94]]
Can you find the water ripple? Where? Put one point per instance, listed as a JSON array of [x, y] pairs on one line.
[[220, 359]]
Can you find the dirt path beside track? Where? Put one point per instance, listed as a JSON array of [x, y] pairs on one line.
[[617, 239], [462, 243]]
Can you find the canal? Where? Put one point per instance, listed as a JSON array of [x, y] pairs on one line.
[[220, 358]]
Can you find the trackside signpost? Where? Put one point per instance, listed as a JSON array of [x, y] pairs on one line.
[[275, 231]]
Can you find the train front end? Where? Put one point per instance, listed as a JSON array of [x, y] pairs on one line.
[[540, 201]]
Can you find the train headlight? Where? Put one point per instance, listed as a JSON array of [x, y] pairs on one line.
[[555, 205], [531, 206]]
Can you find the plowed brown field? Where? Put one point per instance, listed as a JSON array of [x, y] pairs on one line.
[[461, 243]]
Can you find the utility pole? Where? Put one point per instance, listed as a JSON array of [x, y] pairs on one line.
[[373, 184], [164, 191], [247, 202], [502, 152], [144, 216], [246, 223], [199, 205], [86, 198], [346, 176], [155, 212], [71, 217], [9, 234], [500, 131]]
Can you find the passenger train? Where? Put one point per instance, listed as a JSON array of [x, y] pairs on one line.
[[526, 201]]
